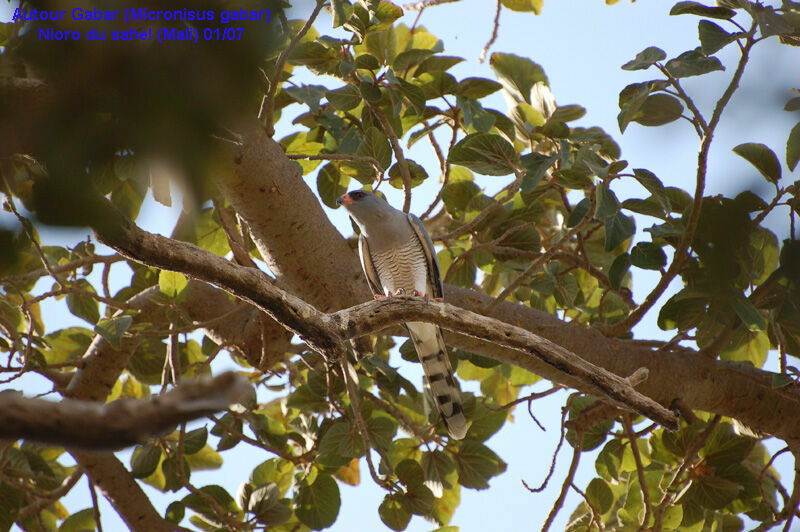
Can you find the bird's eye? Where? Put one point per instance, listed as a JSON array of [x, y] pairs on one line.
[[357, 194]]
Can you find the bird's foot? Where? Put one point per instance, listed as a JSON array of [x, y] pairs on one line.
[[400, 292], [379, 296]]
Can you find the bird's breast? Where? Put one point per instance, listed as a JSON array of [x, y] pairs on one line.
[[402, 267]]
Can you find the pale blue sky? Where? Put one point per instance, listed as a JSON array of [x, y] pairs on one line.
[[581, 45]]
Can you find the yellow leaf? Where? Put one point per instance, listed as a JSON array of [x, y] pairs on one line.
[[349, 474]]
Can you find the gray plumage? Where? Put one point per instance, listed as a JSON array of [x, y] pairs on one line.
[[397, 253]]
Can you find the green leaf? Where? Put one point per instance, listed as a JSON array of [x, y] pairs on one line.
[[534, 6], [79, 521], [618, 269], [763, 158], [171, 284], [645, 59], [658, 109], [419, 499], [609, 460], [477, 88], [144, 460], [618, 228], [437, 63], [567, 113], [344, 98], [747, 312], [748, 346], [672, 517], [475, 115], [339, 445], [381, 430], [476, 464], [439, 465], [607, 202], [726, 448], [579, 211], [653, 185], [600, 495], [536, 166], [792, 105], [711, 492], [175, 512], [376, 145], [418, 174], [648, 256], [485, 422], [517, 74], [218, 494], [410, 58], [370, 92], [315, 56], [367, 62], [317, 505], [692, 63], [112, 329], [485, 154], [393, 512], [195, 440], [793, 147], [414, 94], [331, 184], [713, 38], [342, 11], [410, 473], [83, 305], [780, 380], [696, 8], [276, 515]]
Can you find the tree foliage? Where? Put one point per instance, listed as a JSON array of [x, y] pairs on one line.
[[86, 145]]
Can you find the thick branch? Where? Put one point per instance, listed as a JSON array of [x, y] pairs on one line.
[[89, 425], [325, 332], [728, 388], [371, 317]]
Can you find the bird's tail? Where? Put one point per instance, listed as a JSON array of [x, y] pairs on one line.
[[432, 353]]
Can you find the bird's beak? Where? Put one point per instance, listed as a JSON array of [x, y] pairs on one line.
[[344, 199]]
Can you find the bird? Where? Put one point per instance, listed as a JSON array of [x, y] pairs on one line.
[[398, 257]]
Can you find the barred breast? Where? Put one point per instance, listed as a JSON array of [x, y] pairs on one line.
[[402, 267]]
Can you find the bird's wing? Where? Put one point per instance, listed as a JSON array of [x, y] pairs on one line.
[[369, 268], [434, 275]]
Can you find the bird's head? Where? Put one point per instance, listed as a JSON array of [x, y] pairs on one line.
[[366, 208]]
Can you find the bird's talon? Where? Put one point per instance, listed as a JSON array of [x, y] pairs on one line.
[[379, 296], [439, 299], [400, 292]]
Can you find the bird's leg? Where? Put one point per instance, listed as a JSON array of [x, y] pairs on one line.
[[427, 297]]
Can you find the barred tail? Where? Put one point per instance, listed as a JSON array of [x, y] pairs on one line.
[[432, 353]]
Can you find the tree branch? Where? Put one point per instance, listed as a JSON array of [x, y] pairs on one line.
[[89, 425]]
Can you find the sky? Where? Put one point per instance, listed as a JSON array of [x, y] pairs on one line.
[[580, 44]]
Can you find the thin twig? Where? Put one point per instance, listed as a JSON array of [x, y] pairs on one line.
[[535, 265], [268, 105], [402, 164], [648, 508], [26, 224], [361, 426], [48, 499], [95, 506], [682, 250], [379, 170], [489, 44], [596, 518], [573, 467]]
